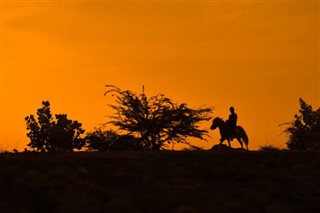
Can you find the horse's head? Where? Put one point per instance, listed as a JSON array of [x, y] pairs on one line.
[[216, 122]]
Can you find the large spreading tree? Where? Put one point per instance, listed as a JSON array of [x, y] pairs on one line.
[[155, 121]]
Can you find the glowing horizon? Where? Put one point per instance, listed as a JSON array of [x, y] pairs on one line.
[[259, 57]]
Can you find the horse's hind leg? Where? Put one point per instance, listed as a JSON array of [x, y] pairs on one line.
[[239, 140], [245, 142], [247, 146]]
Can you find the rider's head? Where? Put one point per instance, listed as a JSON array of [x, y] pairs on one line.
[[232, 109]]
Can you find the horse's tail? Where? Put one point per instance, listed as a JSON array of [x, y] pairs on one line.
[[244, 136]]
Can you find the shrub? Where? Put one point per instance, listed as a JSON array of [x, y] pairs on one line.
[[304, 130], [269, 148], [109, 140], [53, 135]]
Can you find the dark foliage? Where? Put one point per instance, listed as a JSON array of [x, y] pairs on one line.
[[304, 130], [109, 140], [269, 148], [156, 121], [53, 135]]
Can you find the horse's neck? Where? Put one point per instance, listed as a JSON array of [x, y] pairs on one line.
[[222, 128], [222, 124]]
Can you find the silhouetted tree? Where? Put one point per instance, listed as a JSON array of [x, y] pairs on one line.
[[53, 135], [109, 140], [304, 130], [155, 121]]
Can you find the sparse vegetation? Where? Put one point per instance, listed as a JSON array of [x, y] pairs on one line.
[[269, 147]]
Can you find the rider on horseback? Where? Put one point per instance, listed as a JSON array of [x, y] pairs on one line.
[[229, 129], [232, 121]]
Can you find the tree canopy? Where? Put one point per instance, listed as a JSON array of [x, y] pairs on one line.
[[156, 121], [304, 130]]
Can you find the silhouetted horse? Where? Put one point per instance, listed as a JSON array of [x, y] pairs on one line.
[[225, 134]]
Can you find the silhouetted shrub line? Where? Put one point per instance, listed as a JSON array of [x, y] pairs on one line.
[[153, 123], [147, 123], [141, 123]]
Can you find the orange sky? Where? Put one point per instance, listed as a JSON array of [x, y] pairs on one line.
[[258, 56]]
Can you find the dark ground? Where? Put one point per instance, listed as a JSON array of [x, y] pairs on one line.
[[199, 181]]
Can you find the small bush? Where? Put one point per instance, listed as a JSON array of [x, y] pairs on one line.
[[269, 148]]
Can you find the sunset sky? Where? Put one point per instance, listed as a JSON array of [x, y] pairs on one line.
[[258, 56]]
